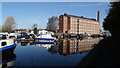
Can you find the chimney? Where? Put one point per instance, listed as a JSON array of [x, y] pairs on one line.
[[98, 16], [65, 14]]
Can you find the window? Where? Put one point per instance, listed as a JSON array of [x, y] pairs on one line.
[[4, 43]]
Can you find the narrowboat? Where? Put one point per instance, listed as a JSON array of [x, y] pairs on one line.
[[7, 45]]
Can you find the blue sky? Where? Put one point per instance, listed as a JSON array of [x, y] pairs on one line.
[[0, 13], [56, 0], [28, 13]]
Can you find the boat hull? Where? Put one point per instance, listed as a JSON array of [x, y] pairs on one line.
[[7, 49], [47, 40]]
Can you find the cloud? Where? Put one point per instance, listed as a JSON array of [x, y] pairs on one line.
[[82, 5]]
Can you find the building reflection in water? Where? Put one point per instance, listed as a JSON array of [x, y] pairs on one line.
[[67, 46]]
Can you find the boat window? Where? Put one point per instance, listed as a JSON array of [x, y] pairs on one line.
[[4, 43]]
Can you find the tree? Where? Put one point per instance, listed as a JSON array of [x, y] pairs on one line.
[[9, 25], [34, 27], [35, 31], [53, 24], [112, 21]]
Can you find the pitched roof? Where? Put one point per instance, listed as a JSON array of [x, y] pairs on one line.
[[79, 17]]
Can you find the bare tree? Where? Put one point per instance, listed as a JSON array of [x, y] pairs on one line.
[[34, 26], [52, 24], [9, 24]]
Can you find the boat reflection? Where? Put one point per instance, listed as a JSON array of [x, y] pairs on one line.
[[71, 46], [51, 46], [32, 42], [45, 45], [68, 46], [24, 43], [7, 60]]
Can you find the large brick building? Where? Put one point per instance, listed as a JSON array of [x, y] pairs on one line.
[[79, 25]]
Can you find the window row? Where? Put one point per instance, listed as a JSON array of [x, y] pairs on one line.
[[86, 21]]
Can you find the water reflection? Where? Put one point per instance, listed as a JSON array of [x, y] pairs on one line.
[[7, 60], [47, 46], [54, 49], [68, 46], [71, 46], [24, 43], [32, 43], [68, 52]]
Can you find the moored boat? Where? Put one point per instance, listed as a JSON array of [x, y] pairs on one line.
[[7, 45], [45, 38]]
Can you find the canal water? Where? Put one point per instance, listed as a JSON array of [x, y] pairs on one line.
[[68, 52]]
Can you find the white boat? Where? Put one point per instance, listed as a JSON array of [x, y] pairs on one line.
[[7, 45], [14, 35], [46, 38]]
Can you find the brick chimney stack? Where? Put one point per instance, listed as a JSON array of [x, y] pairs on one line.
[[98, 16]]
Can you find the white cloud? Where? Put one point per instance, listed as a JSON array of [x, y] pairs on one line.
[[57, 0]]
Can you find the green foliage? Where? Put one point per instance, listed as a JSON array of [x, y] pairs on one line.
[[112, 21], [35, 31]]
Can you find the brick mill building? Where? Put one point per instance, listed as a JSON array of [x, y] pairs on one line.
[[79, 25]]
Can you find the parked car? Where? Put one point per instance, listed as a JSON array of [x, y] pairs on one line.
[[73, 35], [32, 36], [80, 35]]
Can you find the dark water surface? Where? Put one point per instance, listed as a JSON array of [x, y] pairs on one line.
[[66, 53]]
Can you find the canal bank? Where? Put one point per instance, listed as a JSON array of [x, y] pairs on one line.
[[105, 54]]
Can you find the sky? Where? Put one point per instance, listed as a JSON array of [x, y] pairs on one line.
[[57, 0], [0, 14], [28, 13]]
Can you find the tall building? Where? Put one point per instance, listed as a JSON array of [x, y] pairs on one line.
[[79, 25]]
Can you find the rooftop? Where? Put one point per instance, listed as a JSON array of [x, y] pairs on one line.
[[79, 17]]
